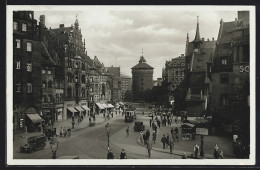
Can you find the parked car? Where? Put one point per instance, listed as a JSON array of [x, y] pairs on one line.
[[34, 143], [50, 132], [139, 126]]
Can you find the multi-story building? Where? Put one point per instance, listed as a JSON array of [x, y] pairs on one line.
[[158, 82], [142, 75], [198, 54], [116, 83], [230, 76], [126, 85]]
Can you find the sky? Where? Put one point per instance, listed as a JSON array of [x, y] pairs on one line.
[[118, 35]]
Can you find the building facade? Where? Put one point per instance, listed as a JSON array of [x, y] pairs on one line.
[[230, 75], [126, 85], [142, 76]]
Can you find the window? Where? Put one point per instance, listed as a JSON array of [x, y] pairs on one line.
[[43, 84], [18, 64], [18, 43], [50, 84], [174, 64], [91, 79], [91, 89], [224, 78], [224, 100], [224, 62], [83, 79], [83, 92], [29, 67], [29, 87], [182, 64], [29, 46], [15, 25], [24, 27], [49, 71], [18, 87], [43, 71]]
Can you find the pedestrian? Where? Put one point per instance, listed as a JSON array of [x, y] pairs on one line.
[[112, 114], [221, 154], [184, 156], [172, 131], [149, 148], [141, 137], [127, 131], [154, 136], [196, 151], [216, 149], [143, 113], [176, 120], [159, 123], [89, 119], [150, 122], [94, 117], [110, 155], [123, 154], [163, 140], [167, 139], [171, 144], [147, 134], [72, 118], [155, 128], [152, 116], [145, 138], [153, 125]]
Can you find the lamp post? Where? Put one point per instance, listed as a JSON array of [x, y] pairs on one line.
[[201, 145], [54, 147], [108, 129]]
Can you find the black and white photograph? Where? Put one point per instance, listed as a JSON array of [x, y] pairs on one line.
[[130, 85]]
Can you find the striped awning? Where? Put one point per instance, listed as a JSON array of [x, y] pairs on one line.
[[79, 108], [35, 118], [85, 107], [100, 106], [72, 109]]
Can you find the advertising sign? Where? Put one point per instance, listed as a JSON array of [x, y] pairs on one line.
[[202, 131]]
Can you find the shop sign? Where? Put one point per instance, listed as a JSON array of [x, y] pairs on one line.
[[202, 131], [46, 110], [47, 104], [244, 69], [30, 110]]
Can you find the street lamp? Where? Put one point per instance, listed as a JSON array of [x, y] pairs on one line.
[[54, 147], [108, 129]]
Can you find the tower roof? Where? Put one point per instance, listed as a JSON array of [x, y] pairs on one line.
[[142, 64], [197, 36]]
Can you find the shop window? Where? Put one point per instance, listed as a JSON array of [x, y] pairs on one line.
[[18, 43], [224, 78], [29, 87], [24, 27], [18, 65], [15, 25], [29, 46]]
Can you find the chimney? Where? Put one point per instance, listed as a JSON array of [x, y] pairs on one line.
[[202, 39], [50, 28], [182, 55], [208, 39], [221, 21], [61, 25], [42, 20], [212, 38]]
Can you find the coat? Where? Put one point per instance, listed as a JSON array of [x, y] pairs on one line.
[[163, 139], [149, 145], [110, 155], [154, 136]]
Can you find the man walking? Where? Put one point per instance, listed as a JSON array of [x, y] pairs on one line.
[[123, 154], [150, 122], [171, 144], [167, 140], [147, 134], [196, 151], [149, 148], [154, 136], [141, 137], [163, 140]]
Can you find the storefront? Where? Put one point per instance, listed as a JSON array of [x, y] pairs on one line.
[[33, 121], [100, 108]]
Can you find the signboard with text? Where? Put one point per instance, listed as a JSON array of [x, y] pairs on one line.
[[202, 131]]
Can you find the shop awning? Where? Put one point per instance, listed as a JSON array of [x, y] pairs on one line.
[[35, 118], [110, 106], [79, 108], [100, 105], [85, 107], [104, 105], [72, 109], [121, 103]]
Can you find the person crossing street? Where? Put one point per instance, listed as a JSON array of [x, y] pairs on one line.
[[149, 148]]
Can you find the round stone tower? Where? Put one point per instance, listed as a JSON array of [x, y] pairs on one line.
[[142, 76]]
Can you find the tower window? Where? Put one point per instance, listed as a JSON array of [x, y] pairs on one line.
[[29, 46], [224, 62], [18, 43], [29, 87], [18, 64], [15, 25], [24, 27]]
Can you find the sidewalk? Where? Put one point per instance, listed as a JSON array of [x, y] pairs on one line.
[[187, 146]]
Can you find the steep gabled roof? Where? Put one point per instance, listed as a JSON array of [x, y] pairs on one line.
[[142, 66]]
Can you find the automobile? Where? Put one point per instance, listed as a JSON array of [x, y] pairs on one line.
[[139, 126], [49, 132], [34, 143]]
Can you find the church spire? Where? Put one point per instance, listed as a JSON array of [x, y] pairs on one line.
[[76, 24], [197, 36], [142, 60]]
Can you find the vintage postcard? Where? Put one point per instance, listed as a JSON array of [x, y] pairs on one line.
[[130, 85]]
